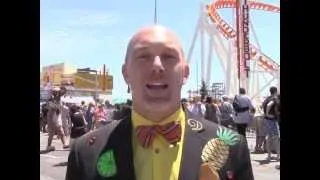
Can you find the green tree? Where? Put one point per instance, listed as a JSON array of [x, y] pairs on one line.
[[204, 90]]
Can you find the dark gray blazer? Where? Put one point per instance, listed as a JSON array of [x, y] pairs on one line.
[[82, 162]]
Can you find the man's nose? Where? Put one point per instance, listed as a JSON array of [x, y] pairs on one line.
[[157, 65]]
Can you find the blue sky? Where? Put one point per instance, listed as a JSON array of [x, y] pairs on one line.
[[92, 33]]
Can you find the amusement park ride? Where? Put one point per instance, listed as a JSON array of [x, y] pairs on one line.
[[243, 63]]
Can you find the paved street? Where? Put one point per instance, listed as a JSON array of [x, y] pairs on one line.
[[53, 164]]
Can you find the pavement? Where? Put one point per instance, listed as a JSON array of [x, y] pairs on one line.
[[53, 164], [262, 169]]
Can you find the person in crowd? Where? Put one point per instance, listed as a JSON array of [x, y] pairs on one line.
[[197, 108], [43, 122], [244, 111], [78, 123], [100, 116], [65, 117], [227, 113], [109, 111], [89, 116], [117, 112], [271, 111], [54, 118], [212, 110]]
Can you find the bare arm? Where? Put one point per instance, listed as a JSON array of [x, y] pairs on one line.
[[269, 105]]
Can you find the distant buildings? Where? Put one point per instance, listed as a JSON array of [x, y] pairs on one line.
[[215, 90], [83, 83]]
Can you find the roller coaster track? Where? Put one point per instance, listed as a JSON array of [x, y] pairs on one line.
[[229, 33]]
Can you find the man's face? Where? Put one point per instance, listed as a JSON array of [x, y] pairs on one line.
[[155, 69]]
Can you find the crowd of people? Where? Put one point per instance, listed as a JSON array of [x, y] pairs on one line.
[[72, 120], [232, 112], [239, 113]]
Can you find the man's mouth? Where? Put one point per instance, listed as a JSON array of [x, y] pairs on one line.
[[157, 86]]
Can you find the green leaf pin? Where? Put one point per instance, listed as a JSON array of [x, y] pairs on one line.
[[106, 164]]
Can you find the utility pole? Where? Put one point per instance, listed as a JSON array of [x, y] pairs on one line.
[[155, 12]]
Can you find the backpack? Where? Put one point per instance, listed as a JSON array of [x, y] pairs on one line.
[[236, 106], [273, 107], [265, 103]]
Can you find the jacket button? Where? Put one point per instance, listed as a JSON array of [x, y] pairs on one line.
[[92, 140]]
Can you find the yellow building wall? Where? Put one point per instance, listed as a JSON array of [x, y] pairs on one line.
[[88, 81], [61, 73]]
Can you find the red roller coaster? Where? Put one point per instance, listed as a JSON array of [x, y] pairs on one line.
[[242, 62]]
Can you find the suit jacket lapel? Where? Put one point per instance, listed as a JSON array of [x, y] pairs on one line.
[[192, 147], [120, 142]]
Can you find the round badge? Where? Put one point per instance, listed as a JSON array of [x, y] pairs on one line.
[[195, 125], [106, 164]]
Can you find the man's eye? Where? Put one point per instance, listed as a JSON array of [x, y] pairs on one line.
[[143, 57], [168, 56]]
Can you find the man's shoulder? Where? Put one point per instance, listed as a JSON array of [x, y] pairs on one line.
[[271, 102], [228, 145], [244, 96], [208, 129], [213, 130], [95, 139]]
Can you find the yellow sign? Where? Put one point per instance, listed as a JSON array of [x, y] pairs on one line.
[[91, 81]]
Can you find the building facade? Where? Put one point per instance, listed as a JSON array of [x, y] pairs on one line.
[[78, 83]]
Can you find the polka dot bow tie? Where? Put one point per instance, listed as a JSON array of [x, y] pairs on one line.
[[171, 132]]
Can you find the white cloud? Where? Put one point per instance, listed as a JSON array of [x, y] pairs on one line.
[[80, 18], [80, 30], [94, 19]]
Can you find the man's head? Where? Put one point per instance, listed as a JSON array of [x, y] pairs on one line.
[[155, 69], [100, 106], [209, 100], [225, 98], [242, 91], [273, 90], [57, 93], [196, 99]]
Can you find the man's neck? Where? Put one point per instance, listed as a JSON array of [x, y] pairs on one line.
[[156, 116]]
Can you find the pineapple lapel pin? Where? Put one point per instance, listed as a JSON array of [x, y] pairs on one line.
[[106, 164], [216, 152]]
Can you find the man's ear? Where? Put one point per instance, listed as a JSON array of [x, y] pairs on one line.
[[125, 73], [186, 72]]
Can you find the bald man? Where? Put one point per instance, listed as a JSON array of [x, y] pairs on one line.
[[158, 139]]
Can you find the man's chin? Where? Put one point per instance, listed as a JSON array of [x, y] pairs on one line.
[[157, 105]]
